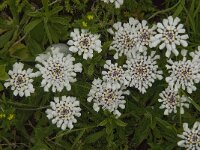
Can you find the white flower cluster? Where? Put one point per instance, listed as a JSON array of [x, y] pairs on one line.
[[57, 70], [108, 97], [171, 100], [124, 38], [135, 36], [118, 3], [184, 74], [114, 74], [84, 43], [170, 34], [142, 70], [63, 112], [21, 80], [190, 137], [144, 35]]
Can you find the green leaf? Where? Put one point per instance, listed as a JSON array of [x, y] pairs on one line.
[[1, 87], [48, 32], [103, 123], [90, 70], [5, 38], [34, 47], [54, 34], [45, 5], [142, 131], [40, 146], [179, 8], [32, 25], [60, 20], [56, 10], [78, 138], [94, 137], [120, 123], [13, 9], [20, 51], [195, 104], [3, 75]]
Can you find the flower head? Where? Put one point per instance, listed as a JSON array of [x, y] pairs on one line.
[[84, 43], [171, 100], [184, 74], [64, 111], [57, 70], [142, 70], [21, 80], [196, 56], [190, 137], [144, 35], [124, 38], [107, 97], [118, 3], [114, 74], [170, 34]]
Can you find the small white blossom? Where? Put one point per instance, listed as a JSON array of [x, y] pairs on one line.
[[183, 74], [21, 80], [171, 100], [170, 34], [196, 56], [84, 43], [114, 75], [107, 97], [58, 70], [124, 38], [118, 3], [190, 137], [142, 70], [64, 111], [144, 36]]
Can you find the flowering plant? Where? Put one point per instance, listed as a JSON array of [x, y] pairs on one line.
[[99, 74]]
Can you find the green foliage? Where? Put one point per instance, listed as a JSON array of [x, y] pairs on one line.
[[28, 27]]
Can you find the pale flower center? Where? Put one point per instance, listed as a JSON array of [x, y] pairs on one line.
[[20, 80], [185, 72], [194, 138], [108, 96], [85, 42], [64, 112], [128, 41], [141, 70], [57, 70], [170, 35], [115, 73], [172, 99], [144, 36]]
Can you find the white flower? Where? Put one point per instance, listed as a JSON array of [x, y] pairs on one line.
[[124, 38], [196, 56], [64, 111], [170, 34], [144, 36], [142, 70], [84, 43], [171, 100], [118, 3], [107, 97], [21, 80], [184, 74], [114, 74], [190, 137], [57, 70]]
